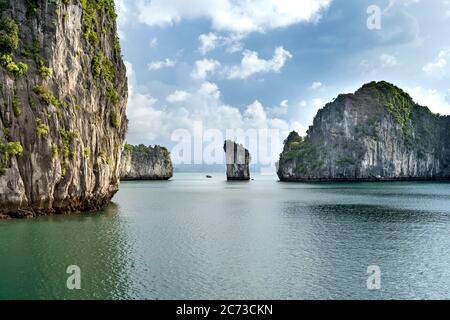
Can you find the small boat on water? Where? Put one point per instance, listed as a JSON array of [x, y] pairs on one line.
[[377, 178], [208, 177]]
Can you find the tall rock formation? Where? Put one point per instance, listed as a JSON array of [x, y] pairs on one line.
[[63, 95], [237, 160], [146, 163], [378, 133]]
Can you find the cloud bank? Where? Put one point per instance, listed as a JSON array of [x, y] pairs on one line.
[[235, 16], [154, 120]]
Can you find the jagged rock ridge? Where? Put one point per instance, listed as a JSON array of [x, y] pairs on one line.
[[237, 160], [378, 133], [146, 163], [62, 97]]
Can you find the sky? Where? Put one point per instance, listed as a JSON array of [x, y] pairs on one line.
[[272, 64]]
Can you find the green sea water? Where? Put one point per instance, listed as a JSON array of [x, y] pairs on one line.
[[198, 238]]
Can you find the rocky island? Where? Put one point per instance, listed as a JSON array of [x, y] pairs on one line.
[[146, 163], [63, 96], [377, 133], [238, 161]]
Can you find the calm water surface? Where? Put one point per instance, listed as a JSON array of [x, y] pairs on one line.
[[194, 238]]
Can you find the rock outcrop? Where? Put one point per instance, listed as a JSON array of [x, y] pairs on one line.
[[378, 133], [63, 96], [237, 160], [146, 163]]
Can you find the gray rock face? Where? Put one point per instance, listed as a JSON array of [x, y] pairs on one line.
[[378, 133], [63, 95], [238, 161], [146, 163]]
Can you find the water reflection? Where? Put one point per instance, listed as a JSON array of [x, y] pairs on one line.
[[193, 238], [341, 241]]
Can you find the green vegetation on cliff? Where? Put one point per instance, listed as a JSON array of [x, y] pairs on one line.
[[17, 106], [9, 35], [63, 96], [148, 152], [379, 131], [46, 96], [300, 150], [401, 107], [9, 42], [128, 148], [42, 129], [8, 150], [34, 53], [102, 68]]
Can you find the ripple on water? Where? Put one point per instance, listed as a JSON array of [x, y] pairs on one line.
[[197, 239]]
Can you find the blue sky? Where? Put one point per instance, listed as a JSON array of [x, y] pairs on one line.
[[273, 63]]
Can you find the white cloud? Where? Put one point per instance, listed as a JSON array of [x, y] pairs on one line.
[[157, 65], [233, 43], [210, 89], [154, 43], [204, 68], [438, 64], [316, 85], [251, 64], [146, 121], [315, 104], [299, 128], [235, 16], [178, 96], [210, 41], [318, 103], [388, 60], [152, 122], [306, 111], [430, 98], [122, 17], [256, 114], [280, 110]]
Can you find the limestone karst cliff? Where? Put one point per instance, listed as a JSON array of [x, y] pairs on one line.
[[63, 93], [146, 163], [378, 133], [237, 161]]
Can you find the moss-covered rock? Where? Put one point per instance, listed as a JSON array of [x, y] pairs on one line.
[[146, 163], [378, 133], [70, 122]]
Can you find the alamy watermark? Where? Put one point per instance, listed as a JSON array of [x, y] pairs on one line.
[[203, 146], [200, 146], [74, 280], [374, 19], [374, 279]]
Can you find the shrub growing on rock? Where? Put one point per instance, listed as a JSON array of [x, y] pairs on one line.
[[9, 35]]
